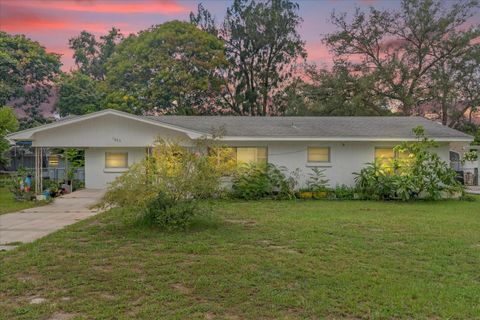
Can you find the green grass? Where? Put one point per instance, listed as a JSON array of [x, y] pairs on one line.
[[8, 203], [257, 260]]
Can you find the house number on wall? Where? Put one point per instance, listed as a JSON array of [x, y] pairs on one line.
[[117, 139]]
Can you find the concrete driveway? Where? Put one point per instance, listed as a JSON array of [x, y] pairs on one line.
[[30, 224], [473, 189]]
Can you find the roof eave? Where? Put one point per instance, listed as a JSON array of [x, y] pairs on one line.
[[353, 139]]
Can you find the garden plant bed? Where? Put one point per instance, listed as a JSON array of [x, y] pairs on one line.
[[9, 204], [259, 259]]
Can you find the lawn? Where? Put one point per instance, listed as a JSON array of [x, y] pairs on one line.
[[257, 260], [8, 203]]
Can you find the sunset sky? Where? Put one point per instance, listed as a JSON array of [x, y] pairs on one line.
[[53, 22]]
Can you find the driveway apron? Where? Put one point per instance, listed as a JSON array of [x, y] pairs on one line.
[[30, 224]]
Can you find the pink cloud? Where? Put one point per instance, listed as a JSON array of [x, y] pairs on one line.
[[19, 20], [145, 6]]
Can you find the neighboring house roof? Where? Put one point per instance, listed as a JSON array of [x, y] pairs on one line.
[[280, 128]]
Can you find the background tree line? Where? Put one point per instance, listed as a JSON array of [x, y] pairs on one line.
[[422, 57]]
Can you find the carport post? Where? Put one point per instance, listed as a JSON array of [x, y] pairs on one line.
[[38, 170]]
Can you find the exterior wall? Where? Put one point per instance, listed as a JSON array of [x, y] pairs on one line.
[[105, 131], [346, 158], [96, 175]]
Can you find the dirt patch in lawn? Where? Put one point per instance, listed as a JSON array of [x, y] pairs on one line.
[[270, 245], [181, 288], [62, 316], [245, 223]]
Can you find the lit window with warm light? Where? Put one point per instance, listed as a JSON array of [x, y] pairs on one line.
[[384, 156], [251, 154], [53, 161], [116, 160], [243, 154], [318, 154], [392, 159]]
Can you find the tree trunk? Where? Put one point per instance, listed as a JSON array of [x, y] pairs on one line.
[[444, 113]]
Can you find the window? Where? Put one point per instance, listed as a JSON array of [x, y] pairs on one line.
[[384, 156], [116, 160], [251, 154], [243, 154], [318, 154], [391, 159], [53, 161]]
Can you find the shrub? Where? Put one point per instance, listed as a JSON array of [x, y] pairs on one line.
[[170, 214], [343, 192], [133, 189], [166, 185], [258, 181], [470, 156], [317, 180], [420, 175]]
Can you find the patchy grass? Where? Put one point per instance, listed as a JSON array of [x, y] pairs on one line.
[[256, 260], [9, 204]]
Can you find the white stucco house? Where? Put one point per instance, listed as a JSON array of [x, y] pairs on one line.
[[114, 140]]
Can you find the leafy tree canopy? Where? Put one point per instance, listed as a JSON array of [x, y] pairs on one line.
[[27, 72], [91, 54], [262, 46], [77, 94], [402, 47], [168, 68], [337, 92], [8, 124]]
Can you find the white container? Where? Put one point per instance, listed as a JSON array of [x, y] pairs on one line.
[[470, 165]]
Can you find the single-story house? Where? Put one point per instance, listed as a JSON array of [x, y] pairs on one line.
[[114, 140]]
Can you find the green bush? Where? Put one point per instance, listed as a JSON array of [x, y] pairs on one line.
[[470, 156], [421, 175], [317, 180], [255, 181], [343, 192], [165, 187], [170, 214]]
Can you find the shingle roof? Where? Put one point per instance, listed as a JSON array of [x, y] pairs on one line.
[[326, 127], [280, 128]]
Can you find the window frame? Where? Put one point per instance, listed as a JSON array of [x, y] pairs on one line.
[[235, 151], [319, 162], [54, 161], [396, 155], [113, 169], [251, 147]]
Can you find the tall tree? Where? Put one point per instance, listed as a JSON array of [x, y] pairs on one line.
[[91, 54], [262, 46], [8, 124], [341, 91], [77, 94], [204, 20], [27, 73], [455, 84], [400, 48], [167, 68]]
